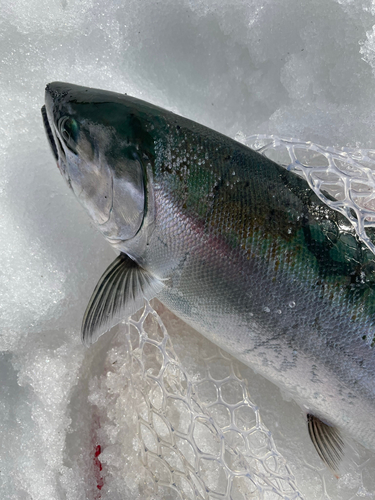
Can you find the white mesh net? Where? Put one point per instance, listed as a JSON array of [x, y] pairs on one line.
[[347, 175], [185, 427], [199, 437], [206, 435]]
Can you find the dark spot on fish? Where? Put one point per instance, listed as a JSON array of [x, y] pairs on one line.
[[356, 276], [364, 337], [317, 325], [331, 344], [178, 127]]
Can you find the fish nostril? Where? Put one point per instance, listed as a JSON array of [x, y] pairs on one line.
[[53, 92], [57, 90]]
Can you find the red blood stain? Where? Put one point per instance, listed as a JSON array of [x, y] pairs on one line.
[[97, 468]]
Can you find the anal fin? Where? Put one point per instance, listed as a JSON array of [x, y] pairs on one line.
[[119, 293], [327, 442]]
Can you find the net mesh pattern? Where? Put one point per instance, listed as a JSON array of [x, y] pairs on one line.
[[346, 175], [200, 438]]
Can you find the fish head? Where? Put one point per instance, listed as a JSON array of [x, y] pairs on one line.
[[96, 146]]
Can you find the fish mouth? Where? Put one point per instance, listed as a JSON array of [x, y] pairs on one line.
[[49, 133]]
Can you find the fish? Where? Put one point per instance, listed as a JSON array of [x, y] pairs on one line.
[[234, 244]]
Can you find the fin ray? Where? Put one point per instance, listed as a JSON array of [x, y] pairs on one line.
[[119, 293], [327, 442]]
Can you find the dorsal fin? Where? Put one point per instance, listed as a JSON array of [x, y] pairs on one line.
[[327, 441], [119, 293]]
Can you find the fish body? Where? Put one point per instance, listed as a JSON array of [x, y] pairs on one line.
[[237, 246]]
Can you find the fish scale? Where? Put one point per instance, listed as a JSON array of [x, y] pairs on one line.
[[237, 246]]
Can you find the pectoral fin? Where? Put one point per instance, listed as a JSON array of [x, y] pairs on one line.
[[119, 293], [327, 441]]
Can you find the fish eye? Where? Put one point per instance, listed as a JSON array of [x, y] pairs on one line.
[[69, 129]]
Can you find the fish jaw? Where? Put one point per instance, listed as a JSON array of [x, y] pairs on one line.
[[49, 133], [104, 170]]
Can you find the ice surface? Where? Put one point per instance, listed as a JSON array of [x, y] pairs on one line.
[[301, 69]]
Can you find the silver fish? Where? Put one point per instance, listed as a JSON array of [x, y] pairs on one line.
[[233, 243]]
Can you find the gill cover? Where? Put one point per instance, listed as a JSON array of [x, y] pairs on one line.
[[112, 189], [108, 180], [95, 136], [97, 157]]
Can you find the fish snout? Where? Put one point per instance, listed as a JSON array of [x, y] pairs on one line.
[[57, 91], [56, 96]]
